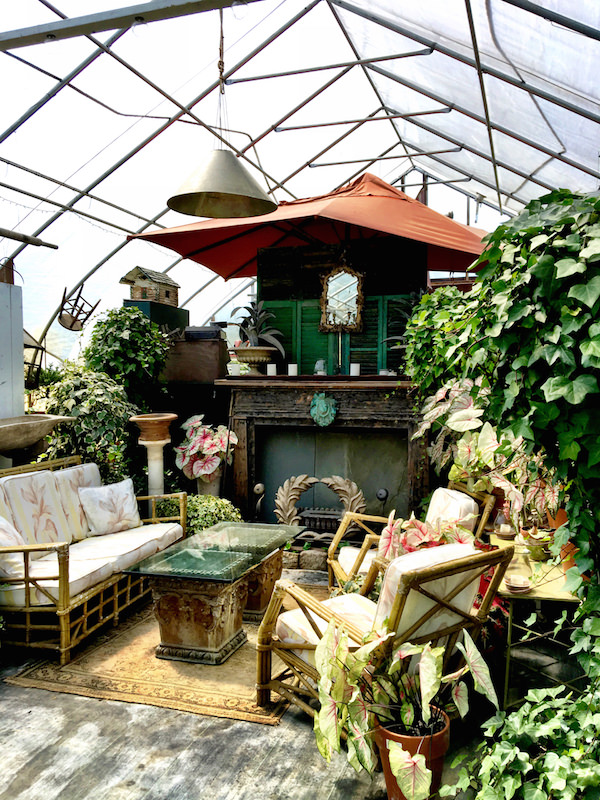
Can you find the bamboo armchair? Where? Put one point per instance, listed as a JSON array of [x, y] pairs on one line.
[[426, 596], [358, 560]]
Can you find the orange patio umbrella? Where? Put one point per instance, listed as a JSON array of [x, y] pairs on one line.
[[366, 207]]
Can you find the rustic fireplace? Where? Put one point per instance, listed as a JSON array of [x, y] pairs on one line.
[[369, 441]]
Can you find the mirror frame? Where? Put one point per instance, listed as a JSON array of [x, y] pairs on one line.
[[327, 327]]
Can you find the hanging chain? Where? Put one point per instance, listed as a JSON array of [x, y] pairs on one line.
[[221, 63]]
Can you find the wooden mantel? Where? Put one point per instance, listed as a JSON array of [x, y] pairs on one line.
[[365, 402]]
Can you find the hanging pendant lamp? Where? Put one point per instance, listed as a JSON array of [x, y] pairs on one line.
[[222, 187]]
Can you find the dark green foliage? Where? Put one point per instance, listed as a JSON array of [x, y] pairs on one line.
[[131, 349], [549, 748], [531, 330], [99, 431], [203, 510]]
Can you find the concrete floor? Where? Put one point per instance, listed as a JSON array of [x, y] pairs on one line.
[[63, 747]]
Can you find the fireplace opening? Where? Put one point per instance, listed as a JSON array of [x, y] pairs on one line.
[[374, 459]]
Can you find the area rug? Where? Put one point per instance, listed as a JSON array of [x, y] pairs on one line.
[[121, 665]]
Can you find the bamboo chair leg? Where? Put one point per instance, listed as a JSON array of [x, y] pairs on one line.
[[265, 644]]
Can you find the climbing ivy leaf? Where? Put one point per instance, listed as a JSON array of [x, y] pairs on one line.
[[587, 293], [569, 266]]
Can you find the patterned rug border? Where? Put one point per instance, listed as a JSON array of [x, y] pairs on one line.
[[54, 678]]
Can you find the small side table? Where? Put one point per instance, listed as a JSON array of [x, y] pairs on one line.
[[548, 589]]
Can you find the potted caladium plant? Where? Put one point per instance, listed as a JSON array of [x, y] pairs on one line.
[[383, 707]]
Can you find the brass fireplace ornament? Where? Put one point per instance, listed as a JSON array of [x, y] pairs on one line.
[[342, 300]]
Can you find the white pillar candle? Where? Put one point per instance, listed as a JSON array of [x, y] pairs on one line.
[[292, 369], [354, 369], [271, 369]]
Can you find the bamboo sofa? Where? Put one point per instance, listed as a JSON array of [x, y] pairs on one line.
[[64, 543], [426, 596]]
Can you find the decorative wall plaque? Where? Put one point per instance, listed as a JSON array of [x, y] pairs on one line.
[[323, 409]]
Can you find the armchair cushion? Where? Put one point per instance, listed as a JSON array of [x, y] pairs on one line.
[[347, 558], [110, 509], [447, 504], [11, 565], [417, 604], [293, 627]]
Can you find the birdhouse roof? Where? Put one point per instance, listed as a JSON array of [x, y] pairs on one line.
[[142, 273]]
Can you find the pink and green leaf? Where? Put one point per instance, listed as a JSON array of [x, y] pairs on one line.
[[479, 669], [414, 779]]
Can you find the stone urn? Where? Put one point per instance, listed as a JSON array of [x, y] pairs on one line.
[[253, 356]]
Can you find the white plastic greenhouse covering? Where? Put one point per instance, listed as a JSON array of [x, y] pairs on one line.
[[107, 109]]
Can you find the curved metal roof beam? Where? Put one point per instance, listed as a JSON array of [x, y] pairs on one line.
[[455, 54], [56, 89], [478, 118], [486, 109], [559, 19], [107, 21], [185, 110]]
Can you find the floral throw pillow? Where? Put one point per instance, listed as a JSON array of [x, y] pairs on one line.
[[11, 564], [109, 509]]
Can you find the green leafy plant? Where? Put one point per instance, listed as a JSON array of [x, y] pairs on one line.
[[99, 430], [529, 329], [484, 458], [132, 350], [358, 690], [202, 511], [549, 748], [255, 327]]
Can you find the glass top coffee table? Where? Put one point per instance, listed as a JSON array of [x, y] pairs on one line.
[[203, 587]]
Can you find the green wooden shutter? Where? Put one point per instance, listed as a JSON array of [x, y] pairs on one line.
[[365, 346], [312, 344], [285, 321]]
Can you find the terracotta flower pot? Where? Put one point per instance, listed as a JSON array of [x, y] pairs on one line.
[[567, 556], [558, 520], [434, 748]]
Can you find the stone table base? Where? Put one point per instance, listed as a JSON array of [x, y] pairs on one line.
[[199, 620], [261, 582]]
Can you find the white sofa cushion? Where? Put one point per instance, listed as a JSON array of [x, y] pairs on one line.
[[11, 564], [110, 509], [82, 576], [417, 604], [5, 511], [36, 508], [124, 549], [68, 481]]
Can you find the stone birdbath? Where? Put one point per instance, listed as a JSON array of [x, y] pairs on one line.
[[154, 435]]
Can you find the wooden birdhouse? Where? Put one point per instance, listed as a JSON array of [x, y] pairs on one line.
[[146, 284]]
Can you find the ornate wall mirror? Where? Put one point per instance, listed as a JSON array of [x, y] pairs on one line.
[[342, 300]]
